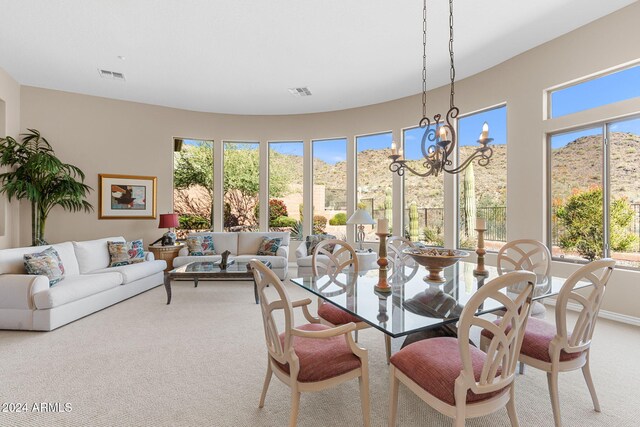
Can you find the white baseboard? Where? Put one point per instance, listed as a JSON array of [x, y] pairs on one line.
[[622, 318]]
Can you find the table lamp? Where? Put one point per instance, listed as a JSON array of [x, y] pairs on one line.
[[360, 217], [169, 220]]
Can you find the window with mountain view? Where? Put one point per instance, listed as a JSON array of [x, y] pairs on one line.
[[374, 181], [241, 186], [580, 230], [482, 191], [330, 186], [193, 184], [603, 90], [286, 187], [423, 197]]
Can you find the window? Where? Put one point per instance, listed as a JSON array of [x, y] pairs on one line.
[[330, 186], [193, 184], [423, 197], [241, 186], [482, 191], [374, 181], [581, 227], [286, 187], [607, 89]]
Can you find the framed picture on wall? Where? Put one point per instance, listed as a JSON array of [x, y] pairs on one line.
[[126, 197]]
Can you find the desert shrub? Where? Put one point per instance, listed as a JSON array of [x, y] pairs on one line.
[[581, 219], [433, 236], [283, 221], [277, 208], [339, 219], [319, 224], [193, 222]]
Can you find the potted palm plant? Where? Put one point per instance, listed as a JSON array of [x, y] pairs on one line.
[[37, 175]]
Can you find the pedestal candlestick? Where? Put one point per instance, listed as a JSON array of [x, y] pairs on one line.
[[480, 270], [383, 285]]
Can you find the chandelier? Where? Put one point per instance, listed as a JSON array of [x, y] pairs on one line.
[[439, 139]]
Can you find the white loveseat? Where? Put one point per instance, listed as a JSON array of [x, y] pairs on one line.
[[243, 247], [28, 303]]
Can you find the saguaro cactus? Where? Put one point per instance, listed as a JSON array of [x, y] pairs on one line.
[[414, 235], [388, 203], [469, 201]]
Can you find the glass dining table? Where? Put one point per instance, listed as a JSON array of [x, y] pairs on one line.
[[413, 305]]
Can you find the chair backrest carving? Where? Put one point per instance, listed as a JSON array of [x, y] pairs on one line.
[[332, 256], [270, 303], [395, 246], [579, 337], [502, 352], [529, 255]]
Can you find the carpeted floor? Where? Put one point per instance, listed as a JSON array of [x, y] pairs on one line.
[[201, 362]]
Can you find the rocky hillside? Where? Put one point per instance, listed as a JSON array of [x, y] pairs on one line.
[[576, 165]]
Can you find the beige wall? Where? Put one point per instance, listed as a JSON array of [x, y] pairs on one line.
[[108, 136], [9, 125]]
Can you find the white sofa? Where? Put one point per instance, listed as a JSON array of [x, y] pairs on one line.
[[28, 303], [243, 247]]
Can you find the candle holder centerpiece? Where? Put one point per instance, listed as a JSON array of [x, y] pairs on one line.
[[383, 233], [435, 260], [481, 227]]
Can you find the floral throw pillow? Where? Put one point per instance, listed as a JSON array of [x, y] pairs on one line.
[[200, 245], [269, 246], [313, 240], [125, 253], [45, 263]]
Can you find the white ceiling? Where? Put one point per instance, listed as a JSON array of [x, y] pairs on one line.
[[241, 56]]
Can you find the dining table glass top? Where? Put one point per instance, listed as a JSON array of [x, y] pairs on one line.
[[413, 304]]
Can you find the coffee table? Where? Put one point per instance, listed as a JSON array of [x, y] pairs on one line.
[[239, 270]]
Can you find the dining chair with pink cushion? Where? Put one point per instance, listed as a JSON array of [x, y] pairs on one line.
[[530, 255], [458, 379], [560, 348], [309, 357]]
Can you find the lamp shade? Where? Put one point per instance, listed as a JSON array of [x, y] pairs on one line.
[[360, 216], [169, 220]]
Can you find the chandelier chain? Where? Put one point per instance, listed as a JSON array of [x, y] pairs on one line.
[[452, 71], [424, 59]]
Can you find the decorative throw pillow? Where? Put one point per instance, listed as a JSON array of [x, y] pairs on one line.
[[45, 263], [269, 246], [200, 245], [125, 253], [313, 240]]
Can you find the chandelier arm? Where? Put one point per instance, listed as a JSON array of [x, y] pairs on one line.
[[401, 166], [483, 154]]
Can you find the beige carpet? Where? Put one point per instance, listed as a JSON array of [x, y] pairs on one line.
[[201, 362]]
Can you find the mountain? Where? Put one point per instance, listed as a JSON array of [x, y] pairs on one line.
[[576, 165]]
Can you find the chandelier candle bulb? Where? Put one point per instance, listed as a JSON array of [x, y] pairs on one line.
[[485, 131], [383, 226], [443, 133], [393, 149]]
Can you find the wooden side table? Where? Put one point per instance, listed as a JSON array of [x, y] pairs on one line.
[[167, 253]]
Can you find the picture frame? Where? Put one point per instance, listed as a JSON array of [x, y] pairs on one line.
[[126, 196]]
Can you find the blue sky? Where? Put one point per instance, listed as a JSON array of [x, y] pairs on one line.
[[593, 93]]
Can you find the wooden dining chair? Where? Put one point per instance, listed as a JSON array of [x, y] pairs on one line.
[[559, 348], [458, 379], [332, 257], [310, 357], [395, 256], [530, 255]]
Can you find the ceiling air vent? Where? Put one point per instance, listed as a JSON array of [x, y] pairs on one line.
[[300, 91], [111, 75]]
